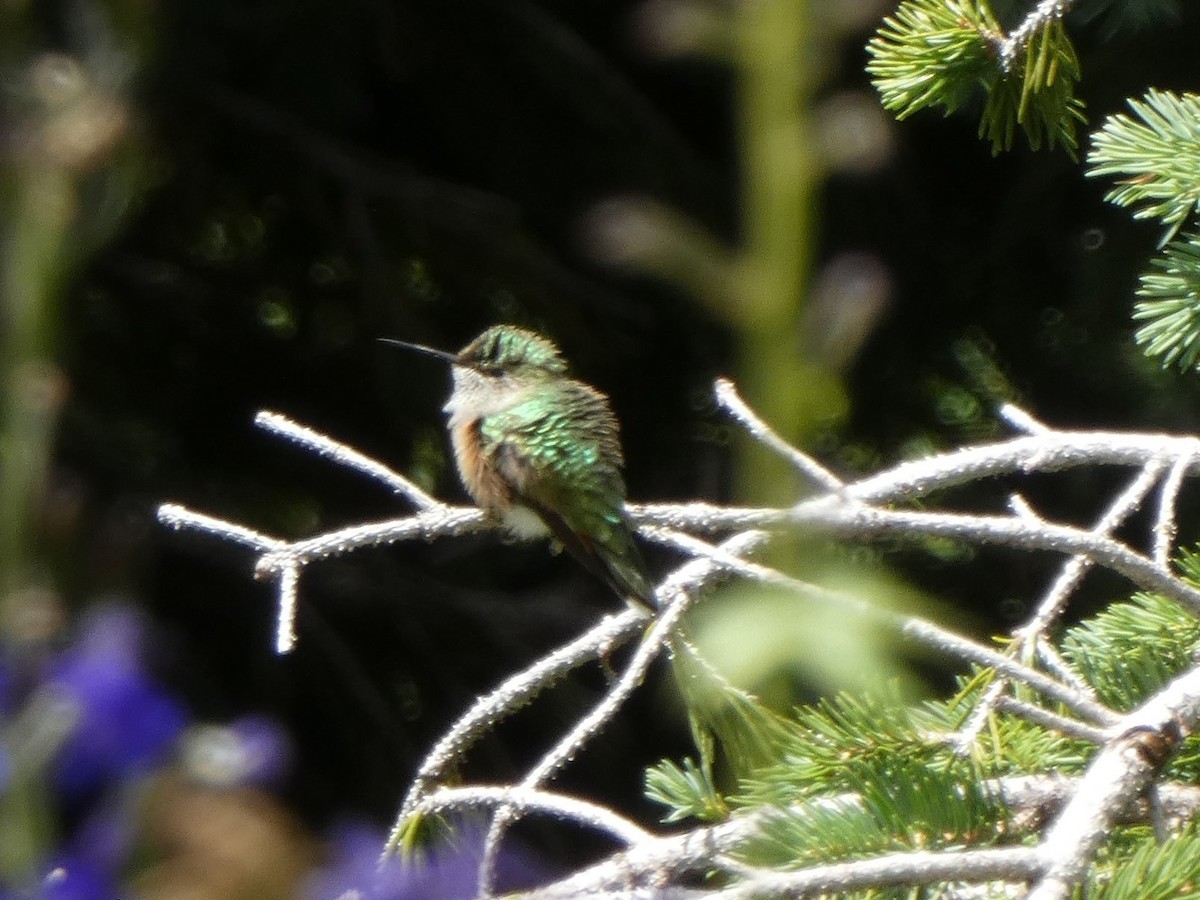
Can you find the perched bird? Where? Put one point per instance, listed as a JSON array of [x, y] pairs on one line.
[[541, 452]]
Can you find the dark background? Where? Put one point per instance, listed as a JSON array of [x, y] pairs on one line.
[[314, 175]]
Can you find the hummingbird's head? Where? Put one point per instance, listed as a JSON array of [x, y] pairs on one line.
[[492, 370], [495, 367], [505, 350]]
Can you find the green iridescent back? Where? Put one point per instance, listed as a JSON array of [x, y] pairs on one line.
[[560, 450]]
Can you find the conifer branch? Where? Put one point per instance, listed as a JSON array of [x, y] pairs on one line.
[[1031, 800], [1118, 776], [940, 53], [862, 509], [1170, 305], [1045, 12], [1156, 156]]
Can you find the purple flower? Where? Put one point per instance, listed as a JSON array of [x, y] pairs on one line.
[[73, 878], [253, 751], [449, 872], [125, 722]]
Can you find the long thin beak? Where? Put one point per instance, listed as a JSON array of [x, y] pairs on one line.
[[421, 348]]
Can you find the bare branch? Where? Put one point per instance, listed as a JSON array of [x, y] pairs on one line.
[[1118, 775], [180, 518], [1021, 420], [1015, 40], [864, 521], [874, 506], [728, 397], [918, 629], [342, 454], [1164, 523], [560, 806]]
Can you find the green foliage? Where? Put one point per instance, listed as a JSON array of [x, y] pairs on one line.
[[933, 53], [857, 777], [944, 53], [1156, 156], [1038, 95], [688, 791], [1171, 304], [749, 733], [1131, 649], [816, 831], [1154, 871], [825, 739]]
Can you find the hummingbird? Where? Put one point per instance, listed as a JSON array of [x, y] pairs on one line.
[[541, 452]]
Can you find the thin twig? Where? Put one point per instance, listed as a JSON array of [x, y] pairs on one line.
[[342, 454], [560, 806], [907, 868], [1073, 570], [512, 695], [180, 518], [1020, 420], [677, 601], [863, 521], [728, 397], [1164, 520], [1015, 40], [285, 624], [918, 629], [1051, 720]]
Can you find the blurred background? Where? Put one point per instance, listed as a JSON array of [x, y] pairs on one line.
[[214, 208]]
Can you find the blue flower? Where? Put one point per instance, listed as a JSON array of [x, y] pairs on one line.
[[253, 751], [125, 722], [74, 878], [446, 873]]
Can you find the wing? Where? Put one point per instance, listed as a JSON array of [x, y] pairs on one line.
[[560, 451]]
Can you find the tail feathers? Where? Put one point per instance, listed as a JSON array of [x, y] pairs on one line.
[[616, 559], [629, 579]]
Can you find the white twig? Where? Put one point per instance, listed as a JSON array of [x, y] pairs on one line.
[[863, 521], [1021, 508], [728, 397], [1020, 420], [285, 626], [1118, 775], [907, 868], [677, 600], [1072, 571], [916, 628], [1060, 668], [509, 697], [180, 517], [1051, 720], [1052, 452], [560, 806], [342, 454], [439, 521], [1164, 521], [1015, 41], [1070, 575]]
